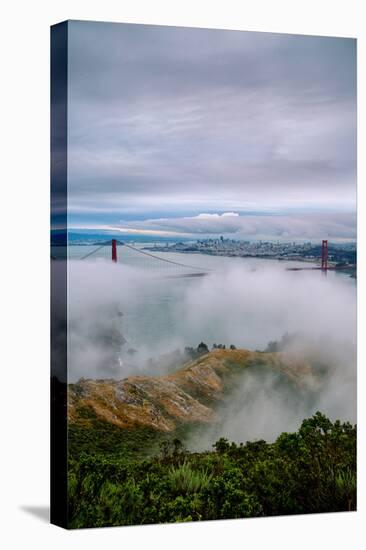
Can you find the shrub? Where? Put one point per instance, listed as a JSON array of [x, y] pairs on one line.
[[184, 480]]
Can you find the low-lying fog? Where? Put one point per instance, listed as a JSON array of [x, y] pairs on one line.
[[122, 322]]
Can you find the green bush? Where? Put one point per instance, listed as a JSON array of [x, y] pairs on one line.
[[312, 470]]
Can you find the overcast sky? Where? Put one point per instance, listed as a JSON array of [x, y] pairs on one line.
[[178, 131]]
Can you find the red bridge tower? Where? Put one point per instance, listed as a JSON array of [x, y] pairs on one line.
[[324, 254], [114, 250]]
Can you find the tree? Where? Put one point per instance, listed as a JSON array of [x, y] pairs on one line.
[[222, 445], [202, 348], [178, 447], [165, 449]]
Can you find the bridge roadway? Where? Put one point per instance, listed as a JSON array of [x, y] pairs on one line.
[[319, 268]]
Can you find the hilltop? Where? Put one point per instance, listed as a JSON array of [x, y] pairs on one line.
[[190, 396]]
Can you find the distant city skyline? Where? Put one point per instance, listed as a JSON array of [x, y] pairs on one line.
[[182, 132]]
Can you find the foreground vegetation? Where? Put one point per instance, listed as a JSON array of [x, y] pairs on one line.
[[312, 470]]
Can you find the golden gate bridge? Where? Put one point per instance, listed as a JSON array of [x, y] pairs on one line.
[[120, 251]]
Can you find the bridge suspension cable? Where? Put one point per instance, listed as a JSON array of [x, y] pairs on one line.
[[144, 253], [96, 250], [163, 259]]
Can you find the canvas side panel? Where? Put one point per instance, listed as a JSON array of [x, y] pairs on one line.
[[59, 35]]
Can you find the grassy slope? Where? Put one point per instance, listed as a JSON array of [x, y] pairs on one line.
[[131, 417]]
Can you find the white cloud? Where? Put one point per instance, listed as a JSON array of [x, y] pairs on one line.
[[300, 226]]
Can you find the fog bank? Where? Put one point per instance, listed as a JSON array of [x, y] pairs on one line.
[[123, 322]]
